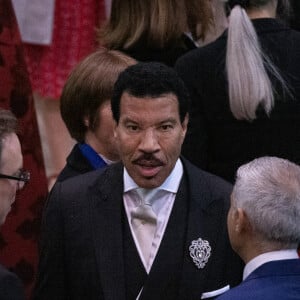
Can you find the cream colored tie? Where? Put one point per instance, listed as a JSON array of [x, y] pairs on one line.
[[144, 220]]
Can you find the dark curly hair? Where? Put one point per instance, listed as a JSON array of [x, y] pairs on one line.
[[150, 79]]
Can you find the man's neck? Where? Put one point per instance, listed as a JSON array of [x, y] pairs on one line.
[[257, 247], [101, 148]]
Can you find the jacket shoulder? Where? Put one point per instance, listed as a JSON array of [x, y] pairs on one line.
[[195, 174]]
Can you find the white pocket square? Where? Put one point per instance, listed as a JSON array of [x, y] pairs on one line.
[[215, 293]]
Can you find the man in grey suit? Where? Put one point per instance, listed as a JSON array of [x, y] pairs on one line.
[[151, 227]]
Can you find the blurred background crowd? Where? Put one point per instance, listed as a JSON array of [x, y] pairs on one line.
[[40, 44]]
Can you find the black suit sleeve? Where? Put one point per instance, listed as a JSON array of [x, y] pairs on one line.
[[50, 282], [10, 286]]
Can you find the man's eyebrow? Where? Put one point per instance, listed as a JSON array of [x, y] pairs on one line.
[[127, 120], [169, 120]]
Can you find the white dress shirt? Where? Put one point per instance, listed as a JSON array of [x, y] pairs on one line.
[[162, 202], [107, 161], [261, 259]]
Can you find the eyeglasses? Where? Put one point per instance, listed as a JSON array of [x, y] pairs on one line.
[[22, 177]]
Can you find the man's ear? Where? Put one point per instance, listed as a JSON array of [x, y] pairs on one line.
[[185, 123], [242, 221], [115, 128]]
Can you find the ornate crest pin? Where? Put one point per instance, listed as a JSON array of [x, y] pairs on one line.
[[200, 251]]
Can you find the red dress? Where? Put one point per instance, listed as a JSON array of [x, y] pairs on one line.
[[74, 37], [20, 233]]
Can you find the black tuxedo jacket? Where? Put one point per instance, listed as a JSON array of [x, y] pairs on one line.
[[82, 240], [10, 286], [76, 164], [216, 141]]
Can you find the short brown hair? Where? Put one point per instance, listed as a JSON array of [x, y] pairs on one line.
[[89, 85]]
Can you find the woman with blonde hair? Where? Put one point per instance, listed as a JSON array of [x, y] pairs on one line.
[[245, 89], [156, 30]]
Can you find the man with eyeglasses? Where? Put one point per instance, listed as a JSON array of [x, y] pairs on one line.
[[12, 179]]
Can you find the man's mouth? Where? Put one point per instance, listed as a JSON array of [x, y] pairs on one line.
[[149, 167], [148, 171]]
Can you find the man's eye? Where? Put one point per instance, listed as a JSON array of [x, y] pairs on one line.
[[166, 127], [132, 127]]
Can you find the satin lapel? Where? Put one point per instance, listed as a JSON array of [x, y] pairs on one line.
[[106, 218], [203, 220]]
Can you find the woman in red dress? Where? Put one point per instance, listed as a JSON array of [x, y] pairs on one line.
[[73, 38]]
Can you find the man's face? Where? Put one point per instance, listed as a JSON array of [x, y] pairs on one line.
[[149, 136], [11, 163]]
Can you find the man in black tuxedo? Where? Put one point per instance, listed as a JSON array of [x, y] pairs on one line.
[[12, 179], [151, 227]]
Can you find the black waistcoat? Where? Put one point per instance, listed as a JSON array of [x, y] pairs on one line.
[[164, 278]]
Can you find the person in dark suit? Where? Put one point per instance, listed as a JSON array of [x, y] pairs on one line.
[[263, 226], [12, 179], [85, 109], [151, 227], [245, 104]]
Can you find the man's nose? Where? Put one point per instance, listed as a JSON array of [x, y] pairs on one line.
[[149, 142]]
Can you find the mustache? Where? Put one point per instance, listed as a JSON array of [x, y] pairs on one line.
[[148, 160]]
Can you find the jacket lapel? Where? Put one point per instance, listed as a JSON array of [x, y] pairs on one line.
[[106, 219], [203, 222], [194, 207]]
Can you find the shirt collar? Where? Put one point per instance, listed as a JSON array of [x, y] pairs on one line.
[[267, 257], [108, 161], [171, 184]]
